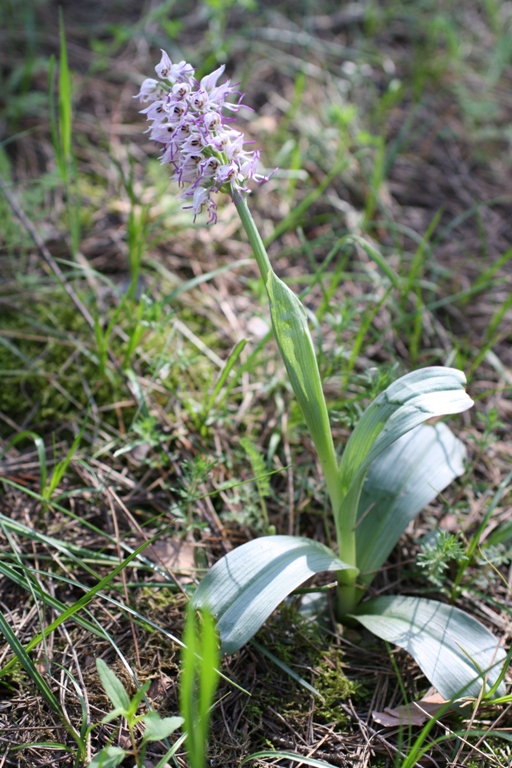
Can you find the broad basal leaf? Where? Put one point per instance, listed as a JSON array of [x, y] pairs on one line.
[[405, 404], [455, 652], [296, 346], [399, 483], [243, 588]]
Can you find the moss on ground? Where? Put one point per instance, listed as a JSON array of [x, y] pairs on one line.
[[305, 648]]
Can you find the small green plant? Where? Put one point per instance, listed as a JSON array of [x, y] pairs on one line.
[[61, 131], [103, 330], [437, 552], [156, 728], [200, 659], [61, 467], [262, 481], [195, 473], [199, 678]]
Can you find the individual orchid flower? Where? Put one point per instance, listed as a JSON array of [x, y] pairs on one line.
[[217, 95], [169, 71], [150, 89]]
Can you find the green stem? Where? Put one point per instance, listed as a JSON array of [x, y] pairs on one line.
[[255, 240], [347, 597], [326, 452], [348, 593], [134, 745]]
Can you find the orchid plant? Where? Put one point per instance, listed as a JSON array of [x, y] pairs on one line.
[[392, 466]]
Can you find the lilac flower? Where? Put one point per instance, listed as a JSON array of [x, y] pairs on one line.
[[207, 154], [172, 72], [149, 90]]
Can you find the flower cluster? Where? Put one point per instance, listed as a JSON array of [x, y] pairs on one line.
[[207, 154]]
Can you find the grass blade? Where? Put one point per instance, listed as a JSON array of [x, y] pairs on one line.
[[64, 97], [289, 671], [230, 362], [28, 665], [200, 657], [84, 600]]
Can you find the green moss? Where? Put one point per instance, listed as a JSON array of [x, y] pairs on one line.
[[334, 686], [46, 355], [151, 600], [302, 645]]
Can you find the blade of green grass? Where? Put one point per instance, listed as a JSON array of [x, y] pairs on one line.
[[61, 467], [33, 673], [189, 284], [289, 671], [199, 677], [40, 448], [25, 583], [64, 96], [83, 601], [364, 326], [294, 217], [230, 362], [492, 334]]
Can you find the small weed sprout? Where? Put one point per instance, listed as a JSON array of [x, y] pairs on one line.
[[156, 728], [195, 473], [437, 552], [260, 473]]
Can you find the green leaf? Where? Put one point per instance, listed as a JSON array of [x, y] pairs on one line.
[[296, 346], [61, 467], [405, 404], [399, 483], [114, 688], [41, 745], [40, 448], [258, 466], [108, 757], [84, 600], [158, 728], [230, 363], [454, 651], [287, 669], [162, 763], [64, 94], [190, 284], [113, 715], [243, 588], [136, 699], [208, 676]]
